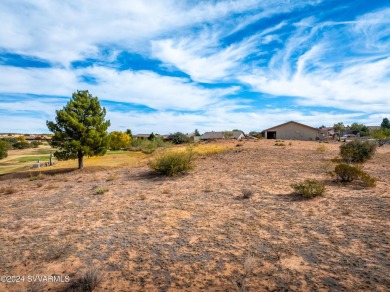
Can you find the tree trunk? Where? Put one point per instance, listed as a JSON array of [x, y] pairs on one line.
[[80, 157]]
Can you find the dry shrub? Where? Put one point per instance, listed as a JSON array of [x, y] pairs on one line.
[[87, 282], [247, 193], [309, 188], [101, 191], [326, 167], [173, 163], [357, 151], [239, 281], [8, 190], [321, 148], [112, 177], [348, 173], [39, 176]]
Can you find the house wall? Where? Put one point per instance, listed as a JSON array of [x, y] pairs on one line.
[[241, 137], [294, 132]]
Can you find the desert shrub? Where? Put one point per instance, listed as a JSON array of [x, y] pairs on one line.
[[87, 282], [367, 179], [148, 148], [309, 188], [247, 193], [348, 173], [321, 148], [280, 144], [101, 191], [173, 163], [357, 151], [39, 176]]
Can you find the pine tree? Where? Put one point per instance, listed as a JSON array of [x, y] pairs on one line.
[[80, 129], [385, 123]]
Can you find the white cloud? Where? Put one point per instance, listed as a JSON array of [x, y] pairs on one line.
[[141, 87], [191, 57], [313, 67], [63, 31]]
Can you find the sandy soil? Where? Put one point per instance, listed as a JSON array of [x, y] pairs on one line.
[[196, 233]]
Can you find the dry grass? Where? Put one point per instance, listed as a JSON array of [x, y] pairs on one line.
[[7, 189], [204, 149], [321, 148]]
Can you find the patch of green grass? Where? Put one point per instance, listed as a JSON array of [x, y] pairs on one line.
[[32, 158], [44, 151], [111, 152]]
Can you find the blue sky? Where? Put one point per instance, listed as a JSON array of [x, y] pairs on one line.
[[167, 66]]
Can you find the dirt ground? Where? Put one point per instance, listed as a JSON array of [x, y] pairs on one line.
[[143, 232]]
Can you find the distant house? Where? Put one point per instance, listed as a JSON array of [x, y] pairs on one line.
[[141, 136], [326, 133], [374, 128], [291, 131], [238, 135]]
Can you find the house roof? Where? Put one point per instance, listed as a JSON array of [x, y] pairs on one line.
[[236, 134], [289, 123], [212, 135], [221, 135]]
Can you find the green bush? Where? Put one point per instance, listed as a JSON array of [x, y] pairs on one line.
[[348, 173], [173, 163], [357, 151], [309, 188], [21, 145], [147, 146], [35, 144], [4, 147], [179, 138]]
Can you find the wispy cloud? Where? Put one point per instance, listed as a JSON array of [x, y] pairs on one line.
[[312, 68]]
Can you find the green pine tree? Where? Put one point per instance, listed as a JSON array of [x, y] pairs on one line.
[[385, 123], [80, 129]]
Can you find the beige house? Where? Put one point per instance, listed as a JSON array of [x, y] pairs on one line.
[[291, 131]]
